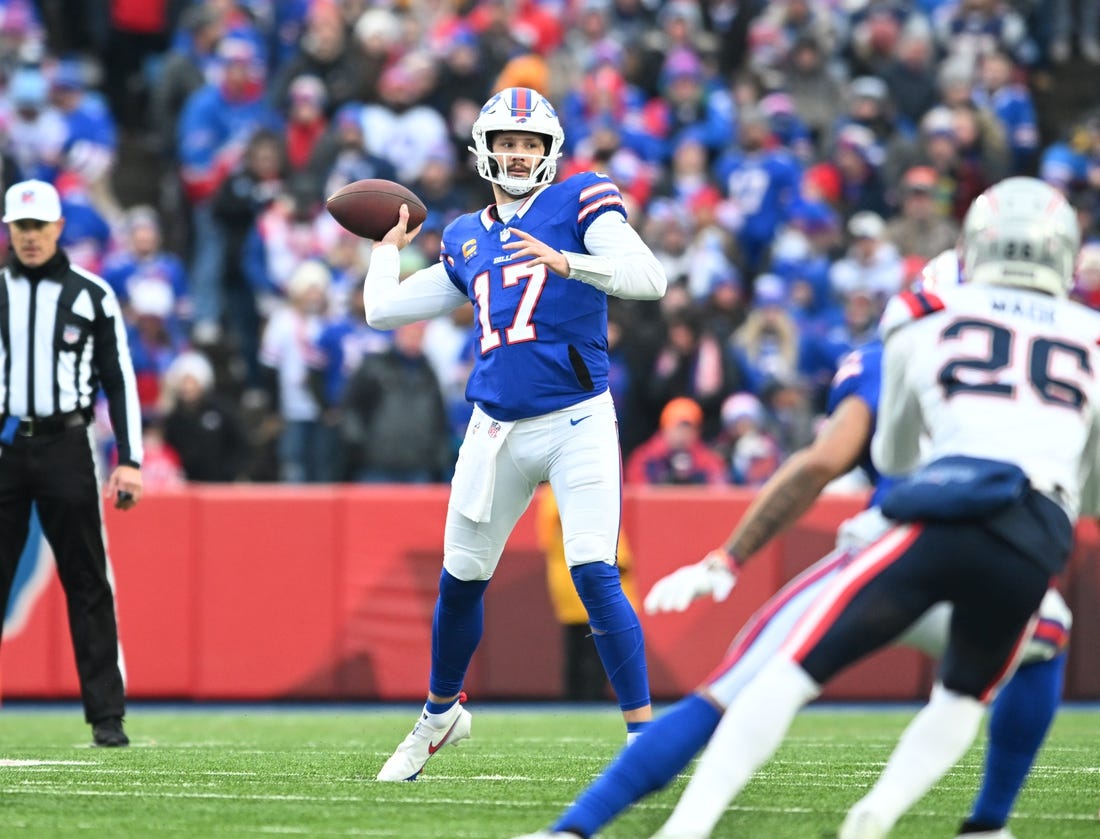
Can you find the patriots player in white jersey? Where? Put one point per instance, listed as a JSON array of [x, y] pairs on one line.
[[538, 265], [1022, 712], [987, 517]]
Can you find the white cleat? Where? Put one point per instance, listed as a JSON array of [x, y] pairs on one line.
[[406, 763], [862, 824], [548, 834], [1001, 833]]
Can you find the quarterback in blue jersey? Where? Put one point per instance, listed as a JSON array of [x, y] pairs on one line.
[[1021, 714], [537, 265]]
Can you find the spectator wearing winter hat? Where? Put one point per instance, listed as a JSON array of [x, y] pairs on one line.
[[804, 268], [153, 347], [824, 350], [306, 122], [328, 52], [858, 159], [87, 235], [402, 127], [36, 130], [872, 263], [787, 126], [724, 306], [868, 104], [972, 28], [940, 147], [341, 157], [876, 31], [818, 95], [676, 453], [604, 98], [140, 260], [910, 76], [919, 229], [687, 177], [983, 148], [290, 359], [21, 29], [693, 363], [780, 26], [215, 128], [767, 346], [745, 443], [92, 140], [199, 425], [183, 71], [462, 84], [680, 26], [1011, 102], [689, 105]]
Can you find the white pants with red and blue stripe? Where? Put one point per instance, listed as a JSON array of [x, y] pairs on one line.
[[805, 604]]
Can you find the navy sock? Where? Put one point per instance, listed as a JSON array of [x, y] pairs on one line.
[[616, 631], [1021, 715], [456, 631], [663, 750]]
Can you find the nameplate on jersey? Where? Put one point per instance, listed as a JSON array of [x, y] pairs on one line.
[[955, 488]]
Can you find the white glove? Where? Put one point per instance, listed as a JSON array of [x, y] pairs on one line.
[[675, 592]]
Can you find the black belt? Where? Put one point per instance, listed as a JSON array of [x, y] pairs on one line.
[[38, 426]]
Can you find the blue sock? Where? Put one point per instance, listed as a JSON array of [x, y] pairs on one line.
[[616, 631], [666, 746], [1021, 715], [456, 631]]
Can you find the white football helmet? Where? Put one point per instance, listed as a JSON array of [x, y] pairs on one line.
[[942, 271], [1021, 232], [518, 109]]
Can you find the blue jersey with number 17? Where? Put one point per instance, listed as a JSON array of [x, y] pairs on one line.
[[541, 341]]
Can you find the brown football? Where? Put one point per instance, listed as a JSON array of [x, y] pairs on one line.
[[369, 208]]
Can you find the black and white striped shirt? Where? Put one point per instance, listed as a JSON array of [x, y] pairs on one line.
[[62, 337]]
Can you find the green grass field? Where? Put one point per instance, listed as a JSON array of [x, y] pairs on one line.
[[260, 772]]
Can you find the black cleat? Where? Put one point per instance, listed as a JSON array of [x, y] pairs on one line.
[[109, 732]]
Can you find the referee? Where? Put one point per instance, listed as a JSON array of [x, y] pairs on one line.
[[62, 338]]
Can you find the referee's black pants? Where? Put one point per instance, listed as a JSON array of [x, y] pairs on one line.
[[57, 472]]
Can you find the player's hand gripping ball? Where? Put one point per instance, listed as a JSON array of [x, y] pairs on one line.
[[369, 208]]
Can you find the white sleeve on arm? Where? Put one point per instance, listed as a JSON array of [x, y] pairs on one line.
[[390, 303], [618, 262], [895, 448]]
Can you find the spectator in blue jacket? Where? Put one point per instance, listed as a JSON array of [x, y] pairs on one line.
[[214, 130]]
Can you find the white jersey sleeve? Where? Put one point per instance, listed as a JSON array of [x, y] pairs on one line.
[[390, 303], [618, 262], [996, 373]]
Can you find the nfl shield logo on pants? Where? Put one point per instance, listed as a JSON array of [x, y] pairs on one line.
[[70, 334]]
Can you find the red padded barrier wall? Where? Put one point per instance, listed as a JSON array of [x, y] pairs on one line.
[[327, 592]]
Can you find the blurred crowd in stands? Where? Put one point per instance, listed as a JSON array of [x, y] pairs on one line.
[[792, 163]]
